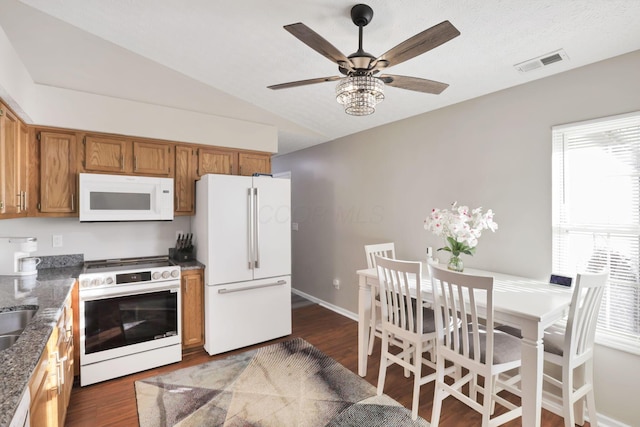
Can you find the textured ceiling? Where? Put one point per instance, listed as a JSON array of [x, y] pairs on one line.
[[219, 57]]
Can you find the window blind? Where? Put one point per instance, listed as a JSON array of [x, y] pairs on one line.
[[596, 216]]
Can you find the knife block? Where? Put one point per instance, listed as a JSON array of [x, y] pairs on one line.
[[182, 254]]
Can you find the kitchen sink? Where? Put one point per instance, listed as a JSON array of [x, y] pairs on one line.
[[12, 323], [7, 341]]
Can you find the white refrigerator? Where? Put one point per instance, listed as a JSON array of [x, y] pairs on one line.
[[242, 231]]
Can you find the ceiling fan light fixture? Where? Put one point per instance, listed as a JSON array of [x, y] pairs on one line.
[[359, 94]]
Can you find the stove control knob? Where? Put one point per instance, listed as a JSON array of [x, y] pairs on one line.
[[155, 275], [165, 274], [96, 282], [85, 283], [175, 273], [109, 280]]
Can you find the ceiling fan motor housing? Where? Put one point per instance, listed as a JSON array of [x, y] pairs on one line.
[[361, 14]]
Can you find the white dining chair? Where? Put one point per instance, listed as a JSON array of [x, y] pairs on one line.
[[569, 345], [481, 350], [386, 250], [407, 320]]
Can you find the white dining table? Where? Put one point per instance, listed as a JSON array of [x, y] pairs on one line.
[[531, 305]]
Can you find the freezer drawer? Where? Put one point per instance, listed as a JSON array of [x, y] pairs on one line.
[[246, 313]]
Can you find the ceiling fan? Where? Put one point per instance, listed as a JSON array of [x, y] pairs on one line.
[[360, 88]]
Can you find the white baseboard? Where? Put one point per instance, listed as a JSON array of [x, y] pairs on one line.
[[339, 310]]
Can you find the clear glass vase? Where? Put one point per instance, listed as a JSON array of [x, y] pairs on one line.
[[455, 263]]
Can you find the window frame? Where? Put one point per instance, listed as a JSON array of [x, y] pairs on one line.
[[562, 225]]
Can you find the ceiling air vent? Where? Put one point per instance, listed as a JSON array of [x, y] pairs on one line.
[[542, 61]]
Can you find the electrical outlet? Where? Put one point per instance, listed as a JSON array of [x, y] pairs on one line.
[[336, 283], [294, 226], [56, 241]]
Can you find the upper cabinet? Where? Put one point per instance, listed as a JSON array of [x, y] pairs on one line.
[[184, 185], [105, 154], [250, 163], [216, 160], [58, 174], [14, 163], [152, 158]]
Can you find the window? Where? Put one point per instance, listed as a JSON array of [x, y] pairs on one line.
[[596, 216]]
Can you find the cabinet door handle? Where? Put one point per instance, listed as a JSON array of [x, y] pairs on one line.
[[135, 163], [24, 200]]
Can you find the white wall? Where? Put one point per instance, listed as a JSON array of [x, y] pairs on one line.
[[494, 152], [46, 105], [98, 240]]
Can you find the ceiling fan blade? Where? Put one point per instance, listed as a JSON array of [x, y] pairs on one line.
[[316, 42], [304, 82], [414, 83], [418, 44]]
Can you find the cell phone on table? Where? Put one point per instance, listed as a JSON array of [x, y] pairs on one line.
[[556, 279]]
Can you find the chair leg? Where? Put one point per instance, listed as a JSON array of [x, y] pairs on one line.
[[372, 322], [383, 363], [372, 337], [439, 393], [567, 394], [591, 400], [578, 406], [417, 376], [487, 398]]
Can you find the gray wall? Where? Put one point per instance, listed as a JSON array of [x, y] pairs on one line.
[[493, 151]]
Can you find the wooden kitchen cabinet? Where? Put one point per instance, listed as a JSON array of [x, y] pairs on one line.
[[192, 288], [58, 174], [51, 383], [250, 163], [110, 154], [152, 158], [185, 175], [216, 160], [14, 163]]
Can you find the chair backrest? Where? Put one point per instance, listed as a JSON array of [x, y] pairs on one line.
[[583, 314], [401, 313], [463, 299], [386, 250]]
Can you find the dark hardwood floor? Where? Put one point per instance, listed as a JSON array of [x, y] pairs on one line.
[[113, 403]]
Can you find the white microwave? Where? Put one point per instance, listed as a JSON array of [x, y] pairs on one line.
[[125, 198]]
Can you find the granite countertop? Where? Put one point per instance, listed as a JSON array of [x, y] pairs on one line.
[[47, 291], [188, 265]]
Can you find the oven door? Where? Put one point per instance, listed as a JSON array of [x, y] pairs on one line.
[[128, 319]]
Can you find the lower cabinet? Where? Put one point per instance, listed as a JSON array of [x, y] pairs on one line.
[[51, 383], [192, 308]]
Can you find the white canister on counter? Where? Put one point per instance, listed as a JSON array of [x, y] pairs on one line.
[[29, 264]]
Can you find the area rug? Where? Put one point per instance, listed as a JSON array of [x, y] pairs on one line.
[[290, 383]]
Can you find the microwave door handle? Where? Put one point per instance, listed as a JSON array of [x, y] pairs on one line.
[[257, 227]]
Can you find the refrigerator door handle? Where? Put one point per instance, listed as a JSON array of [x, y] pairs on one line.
[[250, 215], [249, 288], [256, 219]]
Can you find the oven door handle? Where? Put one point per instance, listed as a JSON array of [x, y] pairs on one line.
[[124, 293], [248, 288]]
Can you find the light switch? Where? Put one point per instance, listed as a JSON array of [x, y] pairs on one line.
[[294, 226], [56, 241]]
